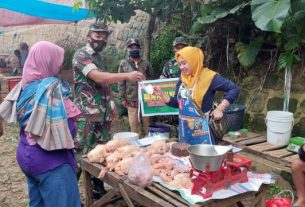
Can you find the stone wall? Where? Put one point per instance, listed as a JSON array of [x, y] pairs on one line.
[[261, 96]]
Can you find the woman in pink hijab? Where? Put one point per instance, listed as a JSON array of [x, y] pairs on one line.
[[46, 119]]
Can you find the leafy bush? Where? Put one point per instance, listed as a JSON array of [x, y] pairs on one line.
[[161, 49]]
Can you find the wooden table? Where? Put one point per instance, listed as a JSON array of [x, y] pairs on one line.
[[155, 195], [257, 144]]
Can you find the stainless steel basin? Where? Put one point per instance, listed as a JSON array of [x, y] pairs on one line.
[[205, 157]]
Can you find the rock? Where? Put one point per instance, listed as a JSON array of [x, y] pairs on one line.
[[277, 104], [258, 123], [257, 104], [299, 128], [251, 82], [274, 82]]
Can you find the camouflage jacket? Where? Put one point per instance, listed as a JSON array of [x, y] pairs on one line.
[[129, 90], [92, 98], [170, 69]]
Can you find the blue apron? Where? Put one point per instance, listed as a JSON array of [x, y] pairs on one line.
[[193, 129]]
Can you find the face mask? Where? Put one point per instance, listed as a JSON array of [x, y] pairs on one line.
[[97, 45], [134, 53]]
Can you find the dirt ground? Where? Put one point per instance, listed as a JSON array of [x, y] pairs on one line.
[[13, 187]]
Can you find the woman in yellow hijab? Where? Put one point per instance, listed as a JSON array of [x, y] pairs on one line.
[[195, 95]]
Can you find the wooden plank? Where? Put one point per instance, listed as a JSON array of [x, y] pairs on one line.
[[144, 197], [107, 198], [94, 169], [265, 147], [170, 193], [125, 196], [280, 153], [88, 188], [233, 139], [291, 158], [255, 140], [166, 197], [265, 156]]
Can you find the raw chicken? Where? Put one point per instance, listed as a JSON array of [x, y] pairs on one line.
[[98, 154], [166, 163], [122, 167], [182, 180], [155, 158], [159, 147], [112, 145], [119, 154]]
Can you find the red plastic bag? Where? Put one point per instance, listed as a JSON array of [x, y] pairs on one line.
[[277, 201], [140, 172]]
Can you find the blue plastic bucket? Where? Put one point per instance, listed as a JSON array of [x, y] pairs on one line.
[[158, 129]]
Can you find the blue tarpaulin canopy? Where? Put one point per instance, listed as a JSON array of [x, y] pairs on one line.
[[38, 12]]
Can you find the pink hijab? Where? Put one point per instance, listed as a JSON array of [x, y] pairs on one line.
[[44, 60]]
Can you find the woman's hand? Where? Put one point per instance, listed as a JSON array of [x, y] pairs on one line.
[[158, 92], [217, 114]]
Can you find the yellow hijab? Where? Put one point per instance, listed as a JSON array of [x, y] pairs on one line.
[[201, 77]]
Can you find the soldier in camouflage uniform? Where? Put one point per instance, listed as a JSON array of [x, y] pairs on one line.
[[128, 90], [92, 90], [171, 69]]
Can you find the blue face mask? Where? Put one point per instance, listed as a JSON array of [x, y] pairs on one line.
[[134, 53]]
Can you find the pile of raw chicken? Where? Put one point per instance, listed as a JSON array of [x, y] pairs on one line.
[[117, 156]]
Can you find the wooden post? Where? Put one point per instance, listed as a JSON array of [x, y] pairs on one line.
[[88, 188]]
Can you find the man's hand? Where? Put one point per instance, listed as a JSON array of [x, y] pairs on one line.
[[135, 76]]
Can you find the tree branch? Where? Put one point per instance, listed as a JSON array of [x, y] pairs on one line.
[[186, 35]]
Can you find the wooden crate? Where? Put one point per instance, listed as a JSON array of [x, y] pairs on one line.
[[257, 144]]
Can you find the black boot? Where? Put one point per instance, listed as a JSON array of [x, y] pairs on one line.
[[98, 188]]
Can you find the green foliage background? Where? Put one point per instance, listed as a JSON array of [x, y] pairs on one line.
[[161, 50]]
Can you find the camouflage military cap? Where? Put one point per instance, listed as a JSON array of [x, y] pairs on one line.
[[133, 41], [99, 27], [180, 41]]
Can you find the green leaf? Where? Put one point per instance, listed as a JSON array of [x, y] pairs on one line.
[[287, 59], [269, 15], [291, 45], [247, 53], [206, 9], [219, 13]]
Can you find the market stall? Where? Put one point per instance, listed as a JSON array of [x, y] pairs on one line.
[[156, 195], [177, 181]]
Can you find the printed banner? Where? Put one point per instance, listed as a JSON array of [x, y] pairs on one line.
[[152, 105]]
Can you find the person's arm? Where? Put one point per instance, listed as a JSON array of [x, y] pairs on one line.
[[231, 92], [169, 100], [84, 61], [110, 78]]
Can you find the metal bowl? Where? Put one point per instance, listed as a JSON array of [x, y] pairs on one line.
[[205, 157]]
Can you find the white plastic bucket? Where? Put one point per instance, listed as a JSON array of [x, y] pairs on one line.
[[128, 136], [279, 127]]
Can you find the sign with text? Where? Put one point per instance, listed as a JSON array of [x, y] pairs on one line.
[[152, 105]]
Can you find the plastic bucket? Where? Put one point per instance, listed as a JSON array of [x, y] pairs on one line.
[[128, 136], [158, 129], [279, 127]]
